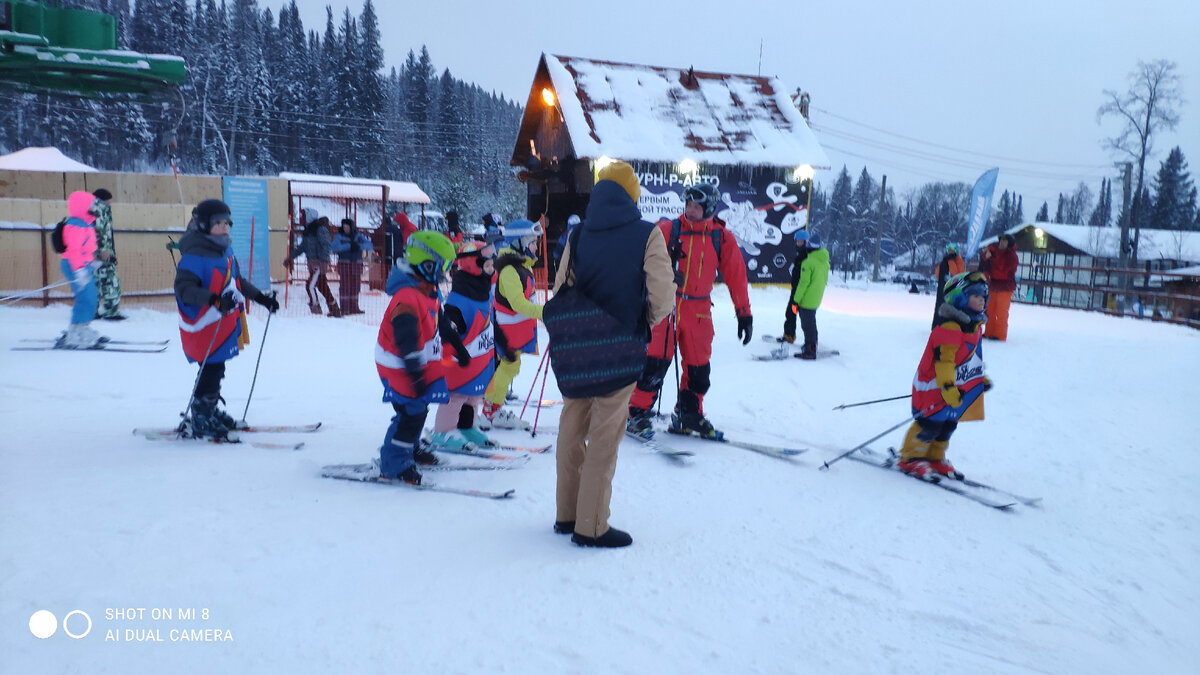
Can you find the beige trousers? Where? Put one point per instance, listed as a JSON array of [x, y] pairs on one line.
[[589, 433]]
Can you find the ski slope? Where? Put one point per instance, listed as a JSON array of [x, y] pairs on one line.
[[741, 563]]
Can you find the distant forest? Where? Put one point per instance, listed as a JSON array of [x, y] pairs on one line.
[[266, 95]]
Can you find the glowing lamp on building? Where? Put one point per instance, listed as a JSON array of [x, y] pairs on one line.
[[548, 96], [803, 172], [688, 166]]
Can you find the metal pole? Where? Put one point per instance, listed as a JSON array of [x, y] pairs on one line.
[[825, 466], [881, 400], [879, 231], [256, 362]]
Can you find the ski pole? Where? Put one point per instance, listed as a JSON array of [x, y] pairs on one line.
[[534, 383], [171, 246], [256, 362], [825, 466], [541, 397], [880, 400], [26, 294]]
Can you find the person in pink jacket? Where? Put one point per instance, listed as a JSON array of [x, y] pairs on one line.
[[78, 265]]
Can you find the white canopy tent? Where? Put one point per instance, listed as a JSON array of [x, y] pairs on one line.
[[314, 185], [42, 159]]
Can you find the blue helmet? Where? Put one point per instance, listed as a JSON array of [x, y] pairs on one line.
[[800, 236], [522, 235]]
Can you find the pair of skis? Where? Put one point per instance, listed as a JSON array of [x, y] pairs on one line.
[[489, 458], [985, 494], [665, 448], [168, 434], [369, 473], [105, 345]]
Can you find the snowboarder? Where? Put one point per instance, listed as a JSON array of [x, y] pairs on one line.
[[317, 249], [810, 288], [211, 294], [950, 377], [79, 264], [108, 285], [408, 352], [789, 316], [700, 246], [350, 245], [468, 310], [516, 317]]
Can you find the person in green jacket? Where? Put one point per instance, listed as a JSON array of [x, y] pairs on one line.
[[810, 287]]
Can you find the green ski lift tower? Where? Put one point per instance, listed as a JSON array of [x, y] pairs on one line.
[[46, 48]]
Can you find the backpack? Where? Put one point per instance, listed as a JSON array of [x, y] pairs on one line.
[[674, 247], [591, 351], [56, 237]]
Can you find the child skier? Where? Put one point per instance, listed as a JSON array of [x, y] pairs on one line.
[[79, 265], [516, 316], [469, 313], [408, 352], [949, 378], [211, 294]]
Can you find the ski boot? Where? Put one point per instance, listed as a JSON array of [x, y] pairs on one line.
[[423, 455], [503, 419], [474, 435], [790, 339], [640, 423], [204, 423], [917, 467], [227, 419], [451, 440], [686, 424]]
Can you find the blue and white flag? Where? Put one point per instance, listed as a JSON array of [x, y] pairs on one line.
[[981, 207]]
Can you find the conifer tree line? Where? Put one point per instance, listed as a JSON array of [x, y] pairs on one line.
[[922, 221], [264, 95]]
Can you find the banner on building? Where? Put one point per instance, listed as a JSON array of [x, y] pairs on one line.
[[762, 208]]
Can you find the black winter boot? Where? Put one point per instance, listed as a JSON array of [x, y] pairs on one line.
[[687, 418], [614, 538]]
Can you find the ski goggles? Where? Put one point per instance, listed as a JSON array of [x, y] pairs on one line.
[[695, 195]]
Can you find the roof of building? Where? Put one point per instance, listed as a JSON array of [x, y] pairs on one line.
[[660, 114], [348, 187], [1105, 242]]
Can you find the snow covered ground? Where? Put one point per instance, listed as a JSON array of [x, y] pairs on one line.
[[741, 563]]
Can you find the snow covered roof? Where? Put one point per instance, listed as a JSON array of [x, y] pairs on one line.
[[42, 159], [1105, 242], [660, 114], [346, 187]]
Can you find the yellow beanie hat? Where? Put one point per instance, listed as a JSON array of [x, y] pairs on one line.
[[622, 174]]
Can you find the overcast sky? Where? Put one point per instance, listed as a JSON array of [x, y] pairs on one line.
[[920, 91]]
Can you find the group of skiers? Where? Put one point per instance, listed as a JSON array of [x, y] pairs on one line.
[[462, 352]]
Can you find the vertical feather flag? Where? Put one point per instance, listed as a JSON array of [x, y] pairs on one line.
[[981, 207]]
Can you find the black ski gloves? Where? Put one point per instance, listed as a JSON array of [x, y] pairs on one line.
[[268, 300], [224, 303], [745, 328]]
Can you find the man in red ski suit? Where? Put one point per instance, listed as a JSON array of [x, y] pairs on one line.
[[700, 246]]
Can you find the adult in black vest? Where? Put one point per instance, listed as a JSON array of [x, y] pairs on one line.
[[638, 290]]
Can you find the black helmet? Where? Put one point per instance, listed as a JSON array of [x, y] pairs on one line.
[[706, 196], [209, 210]]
